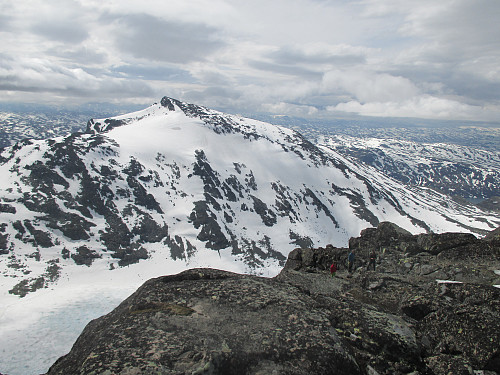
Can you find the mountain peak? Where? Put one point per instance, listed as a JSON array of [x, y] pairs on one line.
[[168, 103], [178, 182], [219, 122]]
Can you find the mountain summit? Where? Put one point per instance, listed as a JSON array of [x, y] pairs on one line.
[[180, 183]]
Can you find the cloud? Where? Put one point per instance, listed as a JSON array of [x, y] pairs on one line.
[[79, 55], [149, 38], [65, 31], [287, 69], [4, 22], [44, 76], [451, 40], [154, 73], [368, 86], [319, 54], [421, 106], [290, 109]]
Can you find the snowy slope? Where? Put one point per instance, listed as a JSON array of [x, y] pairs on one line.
[[188, 184], [177, 186], [452, 169]]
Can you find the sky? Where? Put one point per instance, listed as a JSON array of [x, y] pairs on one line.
[[406, 58]]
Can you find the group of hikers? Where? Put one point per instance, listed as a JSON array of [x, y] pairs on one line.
[[351, 258]]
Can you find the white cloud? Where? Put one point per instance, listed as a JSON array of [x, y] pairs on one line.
[[34, 75], [421, 106], [290, 109], [368, 86]]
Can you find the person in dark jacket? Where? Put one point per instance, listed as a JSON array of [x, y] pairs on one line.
[[350, 260], [373, 258]]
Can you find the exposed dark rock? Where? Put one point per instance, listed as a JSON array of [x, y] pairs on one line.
[[209, 177], [469, 180], [4, 207], [320, 206], [396, 320], [285, 202], [358, 204], [51, 274], [300, 241], [40, 237], [142, 197], [491, 204], [436, 243], [84, 256], [71, 225], [3, 240], [167, 102], [130, 254], [65, 253], [493, 235], [134, 168], [42, 174], [211, 232], [97, 127], [179, 250], [268, 216], [117, 235], [147, 228]]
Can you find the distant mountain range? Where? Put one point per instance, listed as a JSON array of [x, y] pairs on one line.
[[452, 169], [181, 182]]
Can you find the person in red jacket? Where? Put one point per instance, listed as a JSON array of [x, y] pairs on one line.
[[333, 269]]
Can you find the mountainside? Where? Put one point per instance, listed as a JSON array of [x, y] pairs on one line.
[[451, 169], [179, 183], [430, 308]]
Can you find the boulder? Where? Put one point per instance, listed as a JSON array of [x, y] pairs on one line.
[[206, 321]]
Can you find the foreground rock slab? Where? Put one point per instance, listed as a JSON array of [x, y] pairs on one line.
[[432, 307], [206, 321]]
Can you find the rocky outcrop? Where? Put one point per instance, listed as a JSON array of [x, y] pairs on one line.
[[206, 321], [430, 308]]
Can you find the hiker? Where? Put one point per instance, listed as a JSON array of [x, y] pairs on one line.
[[373, 258], [333, 269], [350, 260]]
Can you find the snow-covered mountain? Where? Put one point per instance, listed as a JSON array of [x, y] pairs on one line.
[[452, 169], [194, 186], [86, 218]]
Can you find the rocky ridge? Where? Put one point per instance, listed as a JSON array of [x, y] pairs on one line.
[[429, 308]]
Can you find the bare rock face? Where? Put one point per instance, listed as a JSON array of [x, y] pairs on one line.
[[430, 308], [206, 321]]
